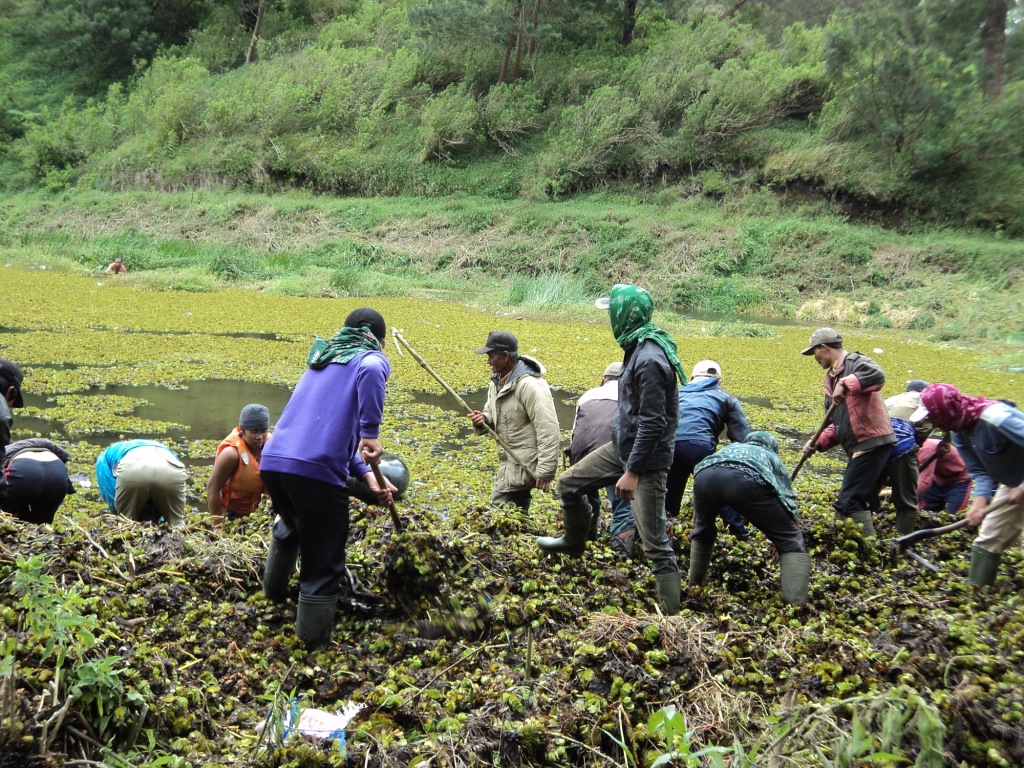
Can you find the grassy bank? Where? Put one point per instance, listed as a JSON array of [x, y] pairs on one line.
[[752, 254]]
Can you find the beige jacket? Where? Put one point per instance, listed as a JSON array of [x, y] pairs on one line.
[[522, 412]]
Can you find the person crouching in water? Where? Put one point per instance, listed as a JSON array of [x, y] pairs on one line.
[[751, 478], [235, 488]]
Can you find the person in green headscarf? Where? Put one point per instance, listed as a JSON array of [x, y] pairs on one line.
[[751, 478], [640, 453]]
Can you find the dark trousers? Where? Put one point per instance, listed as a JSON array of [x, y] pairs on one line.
[[861, 480], [722, 485], [901, 475], [315, 513], [35, 489], [688, 454]]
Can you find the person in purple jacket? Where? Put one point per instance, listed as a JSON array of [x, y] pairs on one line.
[[328, 431]]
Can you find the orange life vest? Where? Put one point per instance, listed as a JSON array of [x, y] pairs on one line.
[[242, 492]]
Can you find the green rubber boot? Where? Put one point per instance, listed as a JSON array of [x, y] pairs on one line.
[[669, 587], [984, 566], [278, 569], [700, 559], [863, 519], [574, 539], [795, 568], [314, 620], [906, 522]]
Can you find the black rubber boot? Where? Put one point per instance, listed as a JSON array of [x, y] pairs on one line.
[[795, 569], [314, 620], [668, 592], [700, 559], [278, 569], [595, 520], [984, 567], [573, 541]]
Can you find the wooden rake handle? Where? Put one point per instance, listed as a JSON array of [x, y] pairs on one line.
[[814, 438], [382, 483]]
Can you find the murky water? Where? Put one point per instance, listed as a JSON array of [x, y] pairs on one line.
[[209, 408]]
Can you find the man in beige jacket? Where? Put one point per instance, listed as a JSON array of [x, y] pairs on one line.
[[521, 412]]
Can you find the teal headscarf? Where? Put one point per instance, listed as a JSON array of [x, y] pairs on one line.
[[630, 309], [344, 346]]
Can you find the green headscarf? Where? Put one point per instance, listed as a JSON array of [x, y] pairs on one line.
[[345, 345], [631, 309]]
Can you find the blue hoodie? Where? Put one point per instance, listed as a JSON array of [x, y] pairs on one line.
[[705, 409]]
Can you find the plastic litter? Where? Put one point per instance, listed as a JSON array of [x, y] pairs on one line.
[[318, 723]]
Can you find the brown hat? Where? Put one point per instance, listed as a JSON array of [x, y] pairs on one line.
[[823, 336], [11, 376], [499, 341]]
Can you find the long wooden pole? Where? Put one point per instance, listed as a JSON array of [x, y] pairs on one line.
[[453, 393]]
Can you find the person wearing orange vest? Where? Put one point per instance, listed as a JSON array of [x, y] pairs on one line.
[[235, 488]]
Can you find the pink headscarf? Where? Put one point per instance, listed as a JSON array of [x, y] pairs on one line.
[[951, 409]]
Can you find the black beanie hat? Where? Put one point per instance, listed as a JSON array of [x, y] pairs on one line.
[[368, 318]]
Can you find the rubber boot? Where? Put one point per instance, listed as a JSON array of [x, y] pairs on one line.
[[668, 592], [863, 519], [984, 566], [906, 522], [278, 569], [314, 620], [795, 568], [700, 559], [574, 539]]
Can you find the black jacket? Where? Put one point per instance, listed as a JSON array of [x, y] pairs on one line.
[[6, 421], [645, 428]]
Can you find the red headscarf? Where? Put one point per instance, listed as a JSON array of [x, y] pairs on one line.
[[951, 409]]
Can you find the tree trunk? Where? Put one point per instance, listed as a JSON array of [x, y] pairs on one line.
[[520, 34], [628, 20], [503, 75], [727, 14], [532, 50], [250, 55], [994, 38]]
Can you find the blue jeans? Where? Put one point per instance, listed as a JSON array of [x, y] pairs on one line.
[[622, 511], [952, 497]]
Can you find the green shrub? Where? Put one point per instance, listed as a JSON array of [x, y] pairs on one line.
[[450, 120], [702, 293], [608, 135], [508, 113]]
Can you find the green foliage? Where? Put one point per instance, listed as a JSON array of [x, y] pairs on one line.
[[56, 618], [895, 89], [547, 290], [508, 113], [450, 120], [78, 49], [728, 295], [670, 724], [607, 135]]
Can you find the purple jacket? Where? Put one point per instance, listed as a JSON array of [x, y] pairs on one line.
[[329, 412]]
